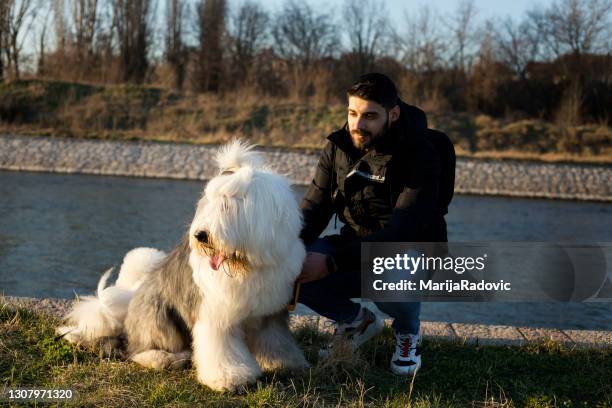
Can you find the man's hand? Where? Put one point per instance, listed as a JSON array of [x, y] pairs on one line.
[[314, 268]]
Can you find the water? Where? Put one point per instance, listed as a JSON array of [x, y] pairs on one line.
[[58, 233]]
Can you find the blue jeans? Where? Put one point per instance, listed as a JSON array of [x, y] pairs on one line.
[[331, 296]]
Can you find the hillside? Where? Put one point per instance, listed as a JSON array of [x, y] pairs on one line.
[[78, 110]]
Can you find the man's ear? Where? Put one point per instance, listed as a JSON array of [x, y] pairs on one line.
[[394, 114]]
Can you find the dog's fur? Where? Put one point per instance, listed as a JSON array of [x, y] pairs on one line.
[[221, 292]]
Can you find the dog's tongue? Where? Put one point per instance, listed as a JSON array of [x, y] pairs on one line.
[[216, 261]]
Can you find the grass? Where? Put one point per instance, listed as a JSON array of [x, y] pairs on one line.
[[453, 374], [129, 112]]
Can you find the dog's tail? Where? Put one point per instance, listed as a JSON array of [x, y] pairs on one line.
[[136, 266], [102, 316], [95, 317]]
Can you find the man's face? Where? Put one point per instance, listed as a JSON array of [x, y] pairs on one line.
[[368, 121]]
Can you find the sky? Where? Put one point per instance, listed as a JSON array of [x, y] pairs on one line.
[[396, 8]]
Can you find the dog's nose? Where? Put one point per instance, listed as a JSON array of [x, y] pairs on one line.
[[202, 236]]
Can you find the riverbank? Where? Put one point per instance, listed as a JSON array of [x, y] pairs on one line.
[[196, 162], [543, 373]]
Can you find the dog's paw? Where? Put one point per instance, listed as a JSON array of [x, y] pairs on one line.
[[301, 365], [69, 333], [231, 380], [183, 360], [287, 364], [291, 361], [160, 359]]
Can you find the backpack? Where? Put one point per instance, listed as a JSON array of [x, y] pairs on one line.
[[414, 118]]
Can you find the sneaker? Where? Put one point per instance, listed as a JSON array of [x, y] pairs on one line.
[[407, 357], [355, 333]]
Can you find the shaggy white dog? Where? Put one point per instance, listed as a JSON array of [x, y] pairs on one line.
[[222, 292]]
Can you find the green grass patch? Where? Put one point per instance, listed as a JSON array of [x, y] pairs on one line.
[[453, 374]]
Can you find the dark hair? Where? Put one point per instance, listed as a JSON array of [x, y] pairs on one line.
[[375, 87]]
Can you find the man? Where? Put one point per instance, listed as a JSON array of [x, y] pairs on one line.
[[380, 175]]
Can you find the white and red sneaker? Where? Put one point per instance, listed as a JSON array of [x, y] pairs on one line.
[[407, 357], [363, 328]]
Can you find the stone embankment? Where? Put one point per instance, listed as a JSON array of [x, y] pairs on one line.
[[187, 161]]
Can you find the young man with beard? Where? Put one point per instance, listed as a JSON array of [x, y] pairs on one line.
[[383, 176]]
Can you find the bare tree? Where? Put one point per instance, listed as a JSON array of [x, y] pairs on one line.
[[577, 26], [366, 25], [485, 76], [132, 27], [304, 38], [4, 24], [462, 33], [517, 45], [85, 23], [211, 26], [19, 16], [247, 35], [176, 54], [105, 44], [60, 25], [424, 44], [42, 43], [302, 35]]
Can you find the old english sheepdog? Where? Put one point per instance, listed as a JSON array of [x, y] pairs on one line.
[[219, 298]]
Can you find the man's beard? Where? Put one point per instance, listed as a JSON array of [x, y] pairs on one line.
[[367, 139]]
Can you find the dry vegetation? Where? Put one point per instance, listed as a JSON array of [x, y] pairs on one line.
[[145, 113]]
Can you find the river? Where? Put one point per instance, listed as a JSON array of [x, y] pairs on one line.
[[59, 232]]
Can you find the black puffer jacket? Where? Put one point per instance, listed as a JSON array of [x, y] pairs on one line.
[[390, 194]]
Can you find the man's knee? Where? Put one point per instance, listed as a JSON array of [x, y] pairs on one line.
[[322, 245]]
